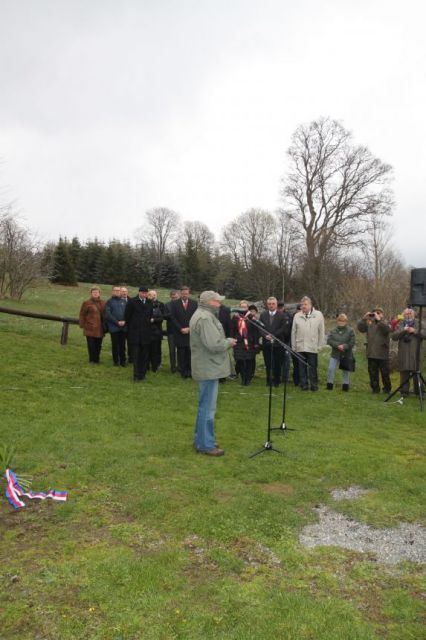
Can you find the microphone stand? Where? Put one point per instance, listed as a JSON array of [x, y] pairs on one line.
[[268, 444]]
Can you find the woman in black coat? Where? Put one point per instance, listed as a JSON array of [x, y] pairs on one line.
[[156, 331], [247, 336]]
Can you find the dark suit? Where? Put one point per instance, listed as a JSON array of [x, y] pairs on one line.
[[225, 320], [278, 326], [171, 336], [138, 316], [180, 318]]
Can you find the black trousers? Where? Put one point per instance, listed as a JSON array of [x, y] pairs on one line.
[[308, 373], [184, 361], [296, 377], [94, 346], [246, 369], [118, 347], [155, 354], [273, 357], [172, 351], [374, 367], [140, 358]]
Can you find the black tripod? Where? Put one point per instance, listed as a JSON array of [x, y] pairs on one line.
[[416, 375], [268, 444]]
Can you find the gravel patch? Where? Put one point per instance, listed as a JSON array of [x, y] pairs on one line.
[[349, 494], [405, 542]]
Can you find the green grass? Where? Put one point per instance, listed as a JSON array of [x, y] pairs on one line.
[[157, 542]]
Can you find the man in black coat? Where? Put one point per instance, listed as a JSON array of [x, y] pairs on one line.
[[277, 325], [181, 312], [171, 330], [138, 316]]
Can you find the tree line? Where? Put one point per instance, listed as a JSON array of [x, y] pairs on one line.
[[331, 238]]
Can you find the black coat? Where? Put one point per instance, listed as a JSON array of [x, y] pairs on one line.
[[279, 326], [158, 317], [240, 352], [225, 319], [138, 316], [180, 319]]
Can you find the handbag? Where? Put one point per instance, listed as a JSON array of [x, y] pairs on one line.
[[347, 361]]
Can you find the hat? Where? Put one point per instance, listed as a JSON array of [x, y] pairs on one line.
[[211, 295], [342, 317], [378, 309], [143, 289]]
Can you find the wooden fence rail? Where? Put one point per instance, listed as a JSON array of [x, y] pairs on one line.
[[45, 316]]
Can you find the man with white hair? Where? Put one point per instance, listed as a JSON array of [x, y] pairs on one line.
[[307, 338]]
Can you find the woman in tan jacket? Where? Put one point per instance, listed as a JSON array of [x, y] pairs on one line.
[[91, 321]]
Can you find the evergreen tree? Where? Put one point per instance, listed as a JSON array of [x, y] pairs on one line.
[[63, 269]]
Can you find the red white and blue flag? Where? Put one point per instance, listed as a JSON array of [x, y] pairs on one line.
[[14, 492]]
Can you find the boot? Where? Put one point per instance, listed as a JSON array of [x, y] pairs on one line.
[[330, 386], [345, 387]]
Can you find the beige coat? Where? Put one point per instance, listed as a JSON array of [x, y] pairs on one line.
[[308, 334]]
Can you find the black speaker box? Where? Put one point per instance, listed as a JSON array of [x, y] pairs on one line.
[[418, 287]]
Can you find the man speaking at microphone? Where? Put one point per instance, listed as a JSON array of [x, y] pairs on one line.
[[209, 362]]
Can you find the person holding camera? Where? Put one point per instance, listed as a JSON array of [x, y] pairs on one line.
[[373, 323], [407, 333], [341, 340]]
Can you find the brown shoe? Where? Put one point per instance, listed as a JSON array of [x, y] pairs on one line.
[[216, 452]]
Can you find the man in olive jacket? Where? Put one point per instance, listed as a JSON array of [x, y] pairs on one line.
[[377, 329], [209, 362]]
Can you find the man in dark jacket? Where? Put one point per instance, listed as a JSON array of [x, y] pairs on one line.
[[171, 330], [181, 312], [277, 326], [114, 317], [287, 339], [138, 316], [377, 330], [407, 333]]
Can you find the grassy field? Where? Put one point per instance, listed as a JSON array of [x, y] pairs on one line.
[[157, 542]]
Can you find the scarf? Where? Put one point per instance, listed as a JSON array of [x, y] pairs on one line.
[[14, 491], [242, 330]]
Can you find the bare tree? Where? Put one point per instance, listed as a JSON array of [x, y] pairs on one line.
[[160, 231], [333, 189], [20, 257], [199, 234], [250, 239], [287, 249], [250, 236]]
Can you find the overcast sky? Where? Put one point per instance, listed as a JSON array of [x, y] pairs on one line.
[[109, 108]]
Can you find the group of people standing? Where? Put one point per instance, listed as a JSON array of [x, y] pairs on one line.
[[201, 334], [136, 329]]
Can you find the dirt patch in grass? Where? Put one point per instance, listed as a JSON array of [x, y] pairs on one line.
[[277, 488]]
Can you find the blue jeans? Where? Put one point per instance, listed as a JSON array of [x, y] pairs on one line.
[[332, 366], [204, 436]]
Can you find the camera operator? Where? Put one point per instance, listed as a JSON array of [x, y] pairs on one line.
[[378, 331], [407, 333]]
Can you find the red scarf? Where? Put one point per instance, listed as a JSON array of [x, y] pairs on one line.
[[242, 330]]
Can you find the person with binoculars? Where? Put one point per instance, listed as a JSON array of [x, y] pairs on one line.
[[373, 323]]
